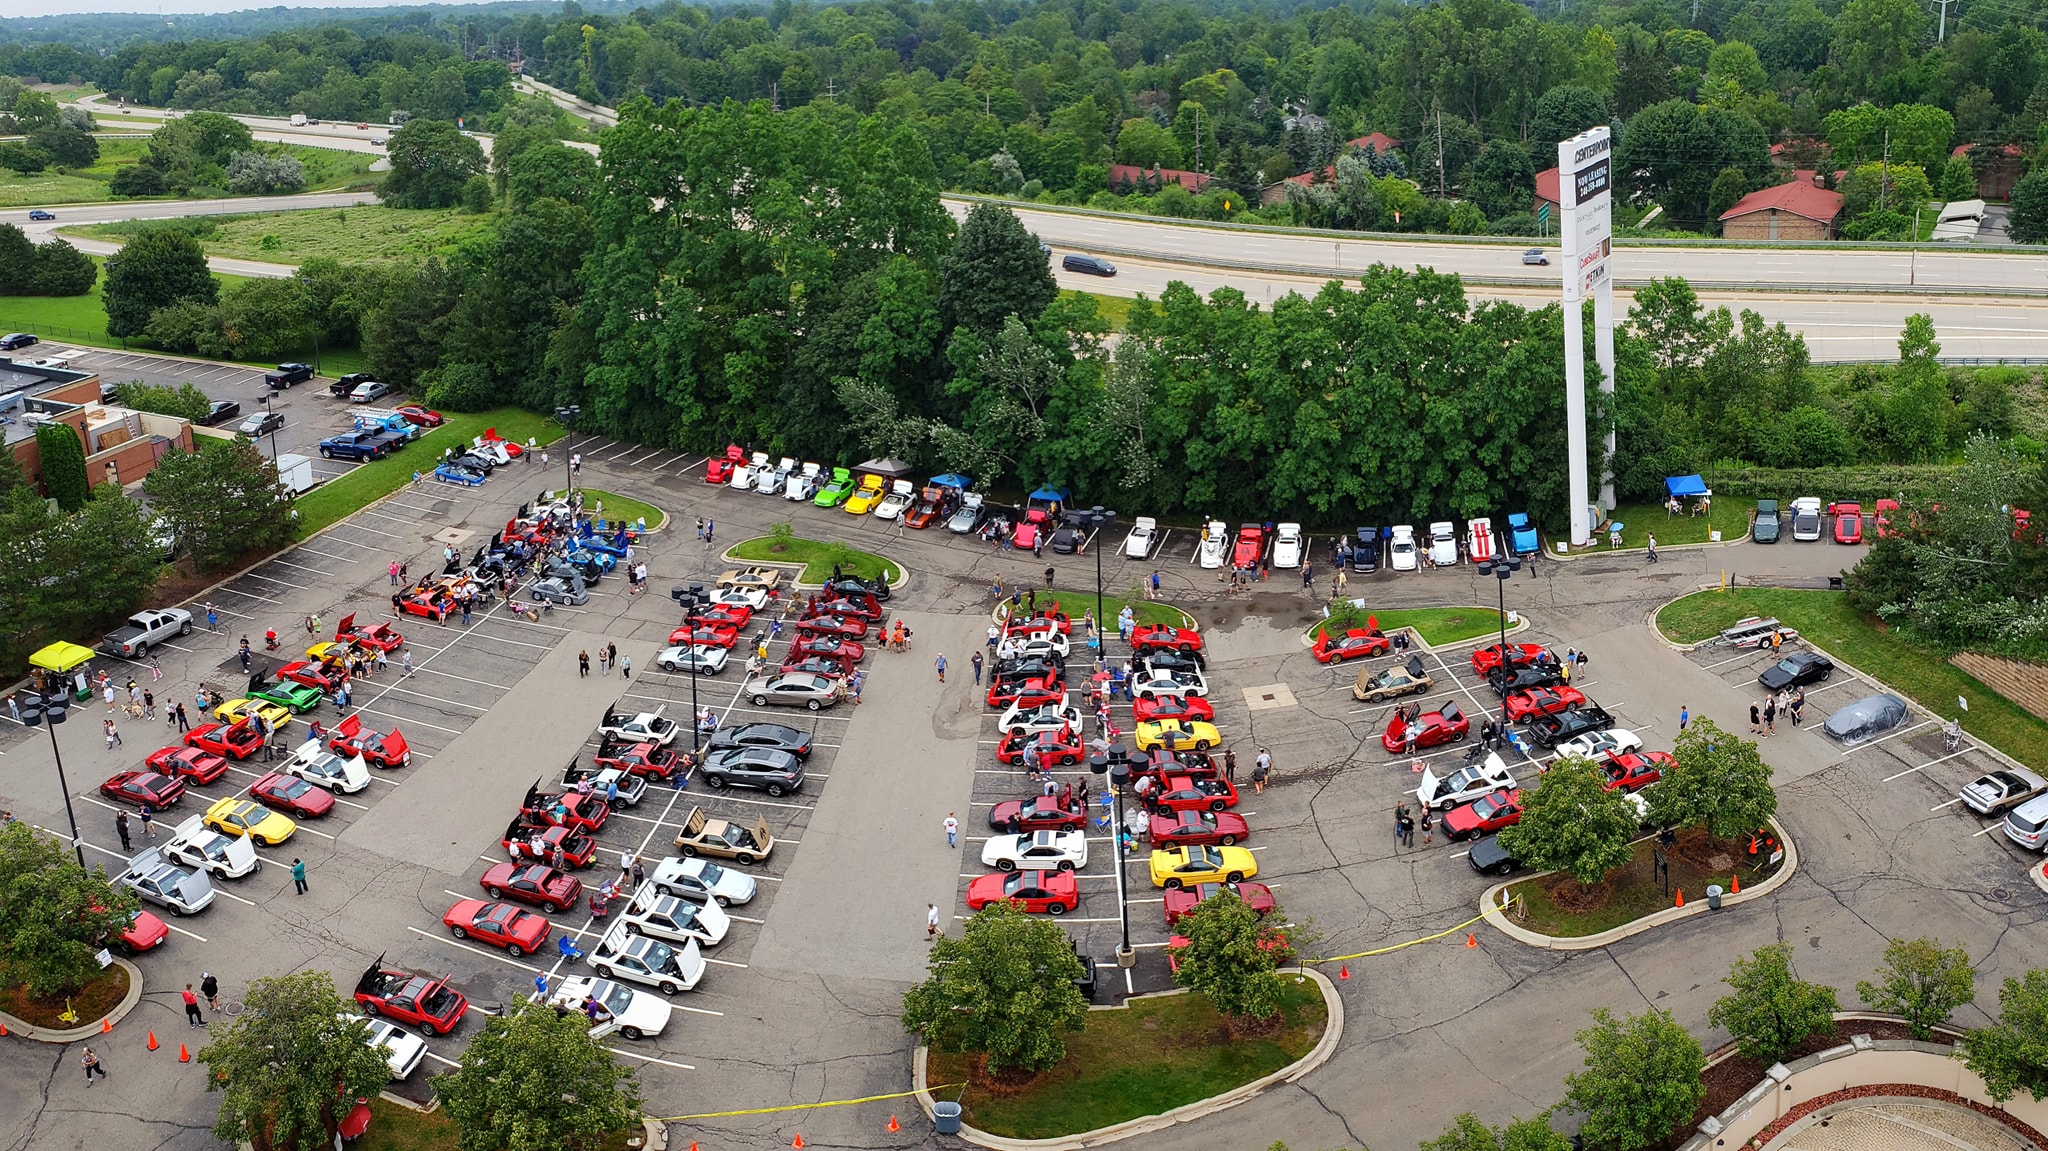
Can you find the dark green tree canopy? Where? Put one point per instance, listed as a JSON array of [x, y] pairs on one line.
[[157, 268], [430, 162], [289, 1061], [995, 270], [1004, 987]]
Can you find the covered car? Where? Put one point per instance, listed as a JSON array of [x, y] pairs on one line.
[[1867, 718]]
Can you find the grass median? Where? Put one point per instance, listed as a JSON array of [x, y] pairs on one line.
[[339, 498], [617, 507], [1559, 905], [1437, 626], [1825, 620], [817, 556], [1150, 1057]]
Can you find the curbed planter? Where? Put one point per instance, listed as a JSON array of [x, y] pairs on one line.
[[796, 568], [86, 1031], [1521, 624], [1489, 906], [1333, 1030]]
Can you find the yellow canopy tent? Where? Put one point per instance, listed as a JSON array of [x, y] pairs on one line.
[[62, 659]]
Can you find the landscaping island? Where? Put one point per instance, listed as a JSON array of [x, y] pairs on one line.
[[1438, 626], [91, 1002], [1558, 905], [817, 556]]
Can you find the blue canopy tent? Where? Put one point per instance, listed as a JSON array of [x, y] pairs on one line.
[[1047, 497], [953, 480], [1685, 487]]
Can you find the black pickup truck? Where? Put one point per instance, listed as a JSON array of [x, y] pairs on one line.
[[288, 374]]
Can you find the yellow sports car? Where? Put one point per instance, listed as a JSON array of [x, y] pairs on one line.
[[1177, 735], [866, 496], [280, 716], [329, 651], [1187, 866], [237, 817]]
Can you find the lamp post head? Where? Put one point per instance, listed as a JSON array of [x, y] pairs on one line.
[[1119, 775]]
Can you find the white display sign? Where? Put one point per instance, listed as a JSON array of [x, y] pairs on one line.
[[1585, 181], [1585, 189]]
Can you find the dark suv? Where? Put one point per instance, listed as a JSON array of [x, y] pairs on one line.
[[1092, 265], [775, 772]]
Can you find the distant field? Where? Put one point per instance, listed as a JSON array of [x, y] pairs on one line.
[[327, 169], [359, 234]]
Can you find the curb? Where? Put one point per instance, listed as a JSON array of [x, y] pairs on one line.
[[1592, 551], [1489, 906], [786, 565], [1520, 625], [72, 1035], [1333, 1030]]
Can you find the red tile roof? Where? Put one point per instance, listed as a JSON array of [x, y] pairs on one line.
[[1380, 141], [1546, 186], [1799, 198], [1192, 181]]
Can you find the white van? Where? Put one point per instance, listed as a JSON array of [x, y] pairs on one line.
[[298, 119], [295, 474]]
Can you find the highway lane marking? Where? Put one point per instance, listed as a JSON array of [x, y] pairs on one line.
[[1928, 764]]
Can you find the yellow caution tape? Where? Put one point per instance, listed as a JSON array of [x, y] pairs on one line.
[[799, 1106], [1399, 946]]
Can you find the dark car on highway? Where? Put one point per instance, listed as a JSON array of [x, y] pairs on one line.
[[1796, 669]]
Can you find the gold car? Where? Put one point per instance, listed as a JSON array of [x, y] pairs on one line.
[[757, 578], [280, 716], [238, 817]]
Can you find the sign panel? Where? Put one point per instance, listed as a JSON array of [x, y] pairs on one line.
[[1585, 166]]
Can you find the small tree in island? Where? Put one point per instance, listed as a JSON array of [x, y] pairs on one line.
[[1004, 991], [1231, 955], [1715, 781], [1572, 823]]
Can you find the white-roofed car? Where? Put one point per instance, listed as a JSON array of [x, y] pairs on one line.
[[1401, 556], [1144, 531], [2008, 787], [633, 1014], [698, 879], [1465, 784], [223, 856], [624, 955], [1287, 546], [702, 659], [901, 492], [751, 598], [1049, 717], [1595, 744], [1443, 543], [676, 919], [1215, 545], [314, 763], [1037, 850], [401, 1049]]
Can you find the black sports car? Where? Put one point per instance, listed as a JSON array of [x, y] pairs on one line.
[[1522, 679], [1550, 730], [769, 735], [1795, 669], [854, 586], [1066, 538], [221, 412]]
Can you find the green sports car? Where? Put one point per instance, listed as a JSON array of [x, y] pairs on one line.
[[835, 490], [300, 697]]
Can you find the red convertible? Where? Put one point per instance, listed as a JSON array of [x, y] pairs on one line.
[[380, 636], [349, 737], [1173, 707], [1181, 900], [1054, 747], [1163, 637], [1006, 690], [193, 763], [1490, 812], [568, 809], [1188, 793], [144, 788], [312, 673], [1039, 813], [719, 471], [428, 1004], [1357, 643], [650, 760], [527, 839], [518, 931], [1531, 702], [831, 625], [831, 647], [533, 883], [1041, 619], [708, 634], [1445, 725], [1053, 892], [429, 418], [291, 794], [1185, 828], [237, 740], [859, 607], [1519, 655], [1635, 770]]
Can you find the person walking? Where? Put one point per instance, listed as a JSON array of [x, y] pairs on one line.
[[192, 1016], [1154, 589], [952, 830], [212, 618], [1048, 576], [243, 655], [156, 670], [1262, 769], [107, 690], [1770, 717], [405, 658], [1684, 717], [1230, 765], [583, 665], [299, 875], [604, 661], [931, 923], [394, 573], [626, 667], [1756, 720], [975, 660], [185, 724], [91, 1062], [121, 829], [210, 988], [1652, 549], [149, 705], [940, 663], [113, 735], [1308, 579]]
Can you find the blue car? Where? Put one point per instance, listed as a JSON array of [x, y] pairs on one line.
[[458, 474], [581, 556], [615, 546]]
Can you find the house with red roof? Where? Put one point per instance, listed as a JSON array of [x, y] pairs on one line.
[[1799, 210], [1546, 193], [1124, 178]]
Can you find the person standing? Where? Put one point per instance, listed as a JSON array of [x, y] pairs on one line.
[[995, 634], [940, 663], [1262, 769], [1798, 705], [952, 830], [931, 924], [113, 735], [1230, 765], [192, 1016], [121, 829], [975, 660], [149, 705], [107, 690], [299, 875], [1652, 549], [1400, 816], [1684, 717], [1155, 584], [210, 988], [91, 1062], [583, 665], [394, 573], [1428, 825], [406, 658], [184, 724], [1407, 829], [212, 618], [626, 666], [710, 528], [1308, 579], [1770, 717]]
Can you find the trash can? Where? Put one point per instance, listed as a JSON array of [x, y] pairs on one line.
[[946, 1118], [1713, 897]]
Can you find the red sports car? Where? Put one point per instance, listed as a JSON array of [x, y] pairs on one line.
[[1049, 617], [862, 606], [1053, 892], [433, 605], [1490, 812], [350, 737], [238, 740], [1531, 702], [1635, 770], [512, 448], [1251, 545], [426, 1003], [1190, 793], [1445, 725], [191, 762], [567, 809], [526, 839], [143, 932], [379, 636], [818, 664], [1848, 522], [426, 417], [533, 883], [1165, 637], [1006, 690], [1518, 655], [730, 615], [651, 760], [1185, 828], [312, 673], [518, 931], [832, 625], [1174, 707], [1181, 900], [1054, 747], [831, 647], [1163, 765], [719, 470], [712, 635], [1039, 813], [144, 787], [1357, 643], [289, 793]]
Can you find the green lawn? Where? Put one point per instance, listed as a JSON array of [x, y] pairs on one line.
[[817, 557], [1153, 1056], [1436, 625], [617, 507], [1115, 309], [1638, 521], [1076, 602], [327, 169], [1826, 620], [342, 497], [363, 234], [395, 1128], [1633, 891]]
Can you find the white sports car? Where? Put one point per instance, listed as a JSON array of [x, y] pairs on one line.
[[1035, 850], [1443, 543], [322, 768], [624, 955], [1595, 744], [676, 919], [1046, 718], [1138, 545], [199, 846], [704, 659], [698, 880], [1215, 545], [633, 1014], [1287, 546], [752, 598], [646, 727], [897, 501], [400, 1048], [1465, 784]]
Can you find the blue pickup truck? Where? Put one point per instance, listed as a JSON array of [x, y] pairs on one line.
[[356, 446]]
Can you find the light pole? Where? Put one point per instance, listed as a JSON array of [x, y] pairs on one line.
[[694, 600], [273, 431], [1099, 520], [567, 417], [1116, 762], [1502, 568], [43, 706]]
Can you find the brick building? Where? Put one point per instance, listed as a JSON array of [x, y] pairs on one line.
[[121, 445], [1799, 210]]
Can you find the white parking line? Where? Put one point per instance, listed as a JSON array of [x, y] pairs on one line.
[[502, 958], [1729, 660], [650, 1058], [325, 555], [1834, 685], [407, 720], [1950, 803], [1928, 764], [301, 567], [1989, 830], [367, 528], [1894, 735]]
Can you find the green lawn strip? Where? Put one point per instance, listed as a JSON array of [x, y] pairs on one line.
[[1826, 620], [1148, 1058], [817, 556], [339, 498], [326, 169], [1638, 521], [396, 1128], [1116, 310], [618, 507], [1076, 603], [1633, 891], [1436, 625], [364, 233]]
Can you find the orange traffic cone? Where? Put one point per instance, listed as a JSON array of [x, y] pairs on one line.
[[3, 1029], [1344, 971], [798, 1141], [152, 1041], [1752, 845], [1471, 939], [106, 1026], [184, 1056], [1735, 886], [893, 1125], [693, 1145], [1681, 897]]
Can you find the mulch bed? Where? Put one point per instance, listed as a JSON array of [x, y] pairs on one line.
[[100, 995], [1732, 1077]]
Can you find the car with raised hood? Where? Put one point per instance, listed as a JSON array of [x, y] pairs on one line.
[[677, 920], [643, 727], [378, 749], [1515, 656], [1446, 724], [517, 930], [527, 838], [775, 481], [969, 516], [703, 834], [864, 498], [698, 879], [623, 954], [644, 760], [1465, 784], [1795, 670], [232, 816], [2002, 789], [1355, 643], [425, 1002], [198, 846], [633, 1014], [1143, 536], [536, 884], [835, 490], [155, 879], [1250, 546], [287, 793], [1055, 748], [719, 469], [1215, 545], [316, 764], [1866, 719], [201, 767], [613, 784], [1287, 546], [1410, 678], [803, 485]]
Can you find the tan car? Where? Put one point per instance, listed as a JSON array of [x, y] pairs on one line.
[[703, 835], [764, 578], [1392, 681]]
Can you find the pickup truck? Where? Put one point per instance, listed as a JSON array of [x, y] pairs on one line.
[[288, 374], [356, 446], [145, 629]]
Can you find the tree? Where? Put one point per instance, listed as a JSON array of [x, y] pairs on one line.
[[184, 400], [1572, 822], [157, 268], [17, 260], [221, 503], [1641, 1080], [288, 1061], [1716, 781], [430, 162], [1230, 957], [1728, 187], [1875, 40], [1736, 63], [995, 270], [1146, 144], [1915, 134], [534, 1080], [136, 180], [2011, 1055], [1561, 113], [63, 465], [263, 318], [27, 159], [1898, 187], [1958, 180], [2028, 222], [255, 173], [1467, 1133], [1770, 1012], [1004, 988], [1922, 981], [62, 270], [66, 146], [552, 171], [58, 916], [1501, 181], [1673, 151]]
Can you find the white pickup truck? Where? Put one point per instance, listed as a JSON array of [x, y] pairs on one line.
[[146, 629]]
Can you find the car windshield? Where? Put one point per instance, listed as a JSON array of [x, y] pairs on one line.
[[615, 998], [1789, 666], [711, 873]]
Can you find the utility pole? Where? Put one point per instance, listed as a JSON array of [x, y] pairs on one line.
[[1198, 141], [1884, 178], [1695, 13], [1942, 33], [774, 96], [1439, 150]]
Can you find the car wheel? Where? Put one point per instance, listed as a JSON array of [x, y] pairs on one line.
[[1446, 805], [559, 908], [458, 933], [631, 1032], [716, 781], [1237, 877], [1229, 840], [176, 911], [1056, 908], [142, 649], [776, 790], [1066, 865], [723, 900], [493, 892], [760, 701], [1216, 805], [1503, 868], [668, 987], [327, 453], [815, 704], [514, 950], [1460, 737], [691, 850], [1006, 865], [185, 628], [1173, 884], [1825, 674], [1201, 745], [428, 1029]]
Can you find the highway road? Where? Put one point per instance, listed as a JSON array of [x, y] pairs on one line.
[[69, 215]]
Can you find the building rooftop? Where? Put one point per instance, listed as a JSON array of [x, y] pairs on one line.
[[1802, 198]]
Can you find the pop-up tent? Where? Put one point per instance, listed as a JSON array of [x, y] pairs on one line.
[[1685, 487], [953, 480], [888, 468]]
